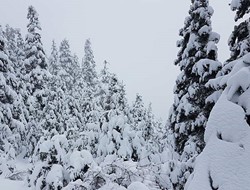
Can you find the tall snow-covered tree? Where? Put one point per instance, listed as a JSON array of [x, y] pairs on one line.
[[138, 114], [11, 45], [138, 111], [53, 59], [35, 78], [66, 61], [20, 54], [88, 65], [114, 127], [12, 122], [75, 69], [197, 59], [88, 78]]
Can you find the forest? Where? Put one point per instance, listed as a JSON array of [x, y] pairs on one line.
[[64, 125]]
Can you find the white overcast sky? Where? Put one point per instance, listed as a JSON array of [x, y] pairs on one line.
[[137, 37]]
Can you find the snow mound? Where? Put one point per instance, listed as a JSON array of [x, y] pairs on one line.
[[137, 186], [224, 162]]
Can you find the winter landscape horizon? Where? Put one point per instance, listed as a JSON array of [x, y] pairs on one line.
[[144, 95]]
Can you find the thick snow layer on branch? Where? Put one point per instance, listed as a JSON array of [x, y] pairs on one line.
[[224, 163]]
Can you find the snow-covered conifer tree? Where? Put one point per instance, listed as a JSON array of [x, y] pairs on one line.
[[11, 44], [12, 122], [88, 65], [138, 114], [241, 7], [65, 59], [114, 121], [197, 60], [75, 69], [20, 55], [88, 76], [35, 78], [239, 42], [227, 135], [53, 59]]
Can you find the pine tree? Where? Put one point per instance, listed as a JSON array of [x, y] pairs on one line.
[[138, 114], [12, 122], [20, 46], [75, 69], [20, 56], [114, 135], [52, 156], [239, 45], [239, 42], [88, 65], [138, 111], [35, 78], [11, 45], [150, 123], [65, 60], [241, 7], [197, 60], [53, 59]]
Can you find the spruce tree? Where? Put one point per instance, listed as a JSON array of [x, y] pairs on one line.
[[233, 84], [138, 114], [241, 7], [53, 59], [197, 61], [239, 42], [114, 135], [20, 46], [65, 71], [239, 45], [88, 65], [11, 45], [138, 111], [35, 78], [12, 122], [20, 56]]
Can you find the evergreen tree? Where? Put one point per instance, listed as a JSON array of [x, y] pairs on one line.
[[241, 7], [88, 78], [114, 135], [65, 60], [52, 156], [88, 65], [138, 114], [35, 78], [149, 123], [12, 122], [75, 69], [138, 111], [53, 59], [20, 56], [239, 45], [239, 42], [197, 60], [20, 46], [11, 44]]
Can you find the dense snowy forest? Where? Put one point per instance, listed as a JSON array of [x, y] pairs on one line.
[[65, 125]]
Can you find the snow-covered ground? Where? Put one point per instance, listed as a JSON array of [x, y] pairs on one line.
[[20, 174], [6, 184]]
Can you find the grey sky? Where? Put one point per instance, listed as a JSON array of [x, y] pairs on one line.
[[137, 37]]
